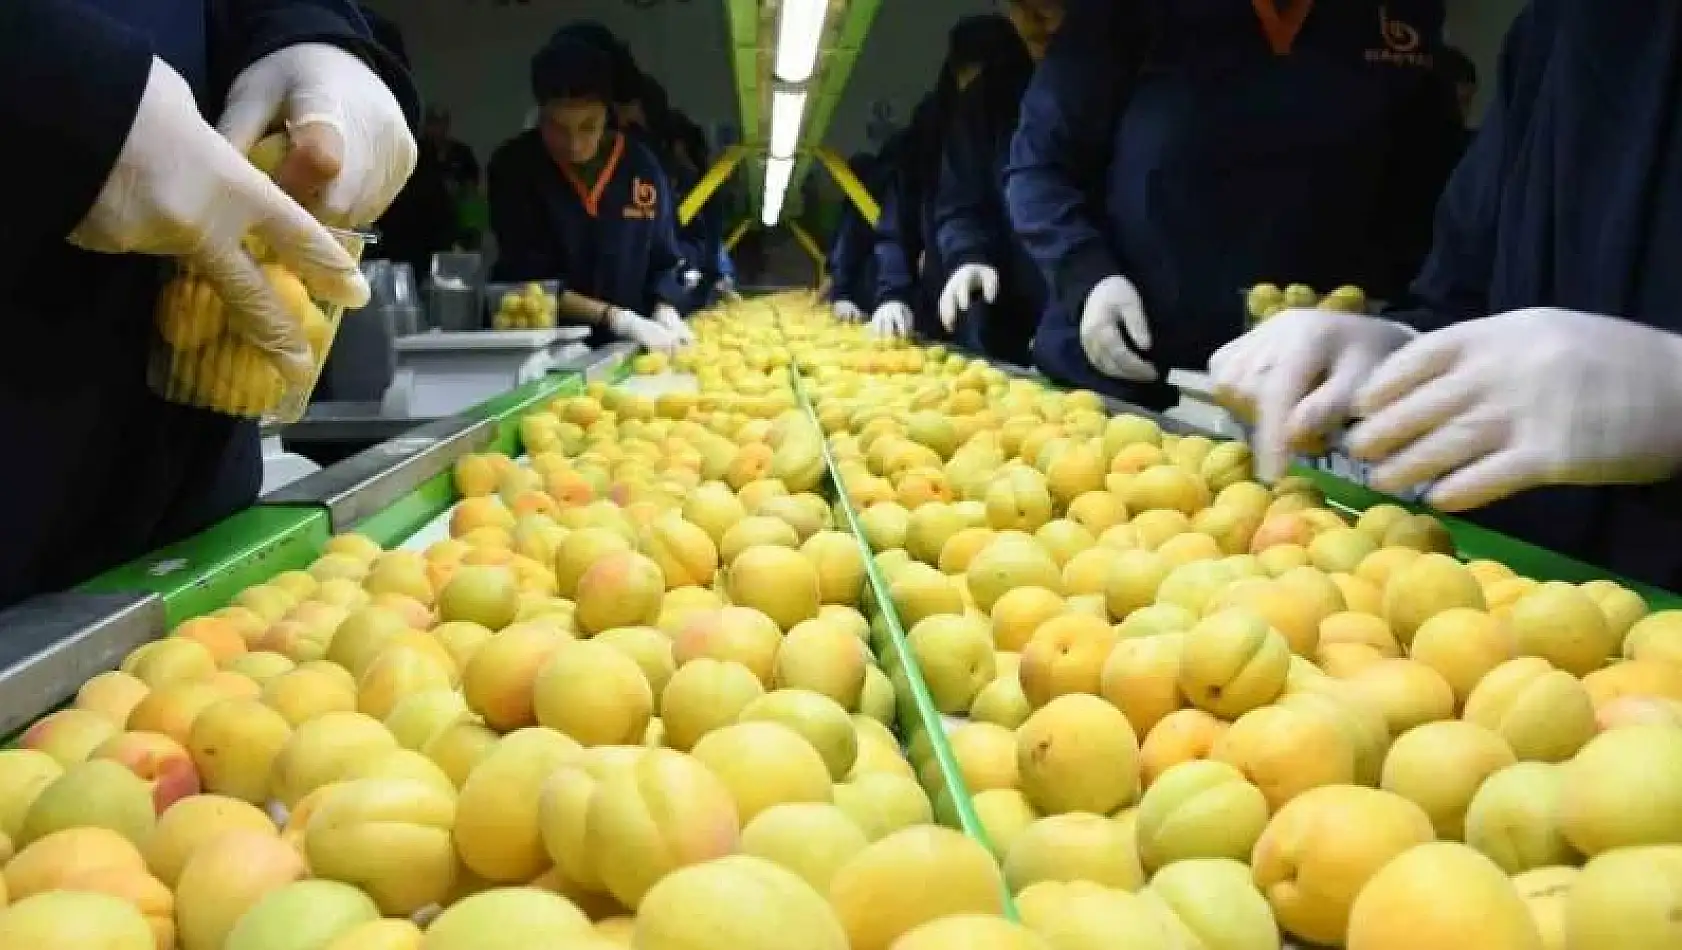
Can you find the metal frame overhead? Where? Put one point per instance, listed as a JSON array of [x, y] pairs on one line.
[[753, 38]]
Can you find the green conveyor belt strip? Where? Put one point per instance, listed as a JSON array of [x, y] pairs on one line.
[[927, 715], [1475, 542], [203, 573]]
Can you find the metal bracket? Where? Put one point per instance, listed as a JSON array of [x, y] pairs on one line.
[[849, 183], [50, 645], [369, 481]]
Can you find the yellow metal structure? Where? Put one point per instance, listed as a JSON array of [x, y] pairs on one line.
[[856, 192], [809, 244], [715, 178], [735, 236]]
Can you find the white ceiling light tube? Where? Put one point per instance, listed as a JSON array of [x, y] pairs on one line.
[[778, 171], [799, 31], [788, 110]]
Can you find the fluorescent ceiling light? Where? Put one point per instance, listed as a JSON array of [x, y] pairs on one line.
[[778, 171], [799, 31], [788, 109], [777, 174]]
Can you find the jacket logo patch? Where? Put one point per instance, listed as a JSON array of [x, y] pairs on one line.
[[645, 201], [1401, 44]]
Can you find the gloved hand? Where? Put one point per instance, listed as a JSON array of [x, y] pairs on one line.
[[334, 104], [727, 290], [1114, 330], [847, 311], [892, 319], [961, 287], [1296, 377], [646, 333], [179, 189], [667, 316], [1521, 400]]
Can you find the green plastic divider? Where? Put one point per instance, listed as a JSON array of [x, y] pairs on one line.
[[1475, 542], [928, 715], [508, 408], [412, 512], [1471, 541], [204, 572]]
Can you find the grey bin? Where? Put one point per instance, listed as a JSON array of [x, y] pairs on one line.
[[362, 362]]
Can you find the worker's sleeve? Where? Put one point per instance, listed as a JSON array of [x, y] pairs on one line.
[[896, 268], [71, 80], [524, 251], [1054, 178], [666, 261], [966, 198], [1453, 284], [257, 28], [854, 239]]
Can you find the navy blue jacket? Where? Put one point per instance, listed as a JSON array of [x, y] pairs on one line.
[[907, 266], [1571, 196], [972, 225], [112, 471], [1167, 142], [615, 240], [852, 251]]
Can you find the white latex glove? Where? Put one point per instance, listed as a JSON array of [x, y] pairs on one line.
[[327, 96], [892, 319], [646, 333], [667, 316], [961, 288], [1524, 399], [178, 189], [1114, 331], [1296, 376], [847, 311]]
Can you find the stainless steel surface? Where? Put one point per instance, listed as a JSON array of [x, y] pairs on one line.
[[599, 363], [369, 481], [51, 645], [349, 421]]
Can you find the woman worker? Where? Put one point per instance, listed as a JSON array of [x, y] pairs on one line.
[[1541, 355], [579, 201], [993, 301], [115, 165], [909, 271], [1174, 152]]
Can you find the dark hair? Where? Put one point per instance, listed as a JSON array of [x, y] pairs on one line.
[[626, 80], [1457, 67], [566, 68]]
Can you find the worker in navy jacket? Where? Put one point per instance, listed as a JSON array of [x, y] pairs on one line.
[[115, 163], [1541, 355], [579, 201], [995, 295], [909, 271], [1173, 153], [852, 253], [642, 110]]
